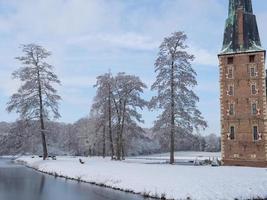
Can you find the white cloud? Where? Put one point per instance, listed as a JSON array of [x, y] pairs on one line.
[[76, 98], [89, 36], [204, 57], [122, 40], [60, 17], [78, 81]]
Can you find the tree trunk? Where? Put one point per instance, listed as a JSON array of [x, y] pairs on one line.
[[104, 142], [118, 149], [172, 117], [45, 154], [118, 152], [122, 128], [122, 150], [109, 124]]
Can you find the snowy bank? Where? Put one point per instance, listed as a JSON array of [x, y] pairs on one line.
[[172, 181]]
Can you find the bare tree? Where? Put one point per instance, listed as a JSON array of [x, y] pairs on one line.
[[174, 83], [36, 98]]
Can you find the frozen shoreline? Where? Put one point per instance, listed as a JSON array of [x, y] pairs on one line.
[[158, 180]]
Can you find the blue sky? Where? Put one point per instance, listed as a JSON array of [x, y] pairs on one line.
[[89, 37]]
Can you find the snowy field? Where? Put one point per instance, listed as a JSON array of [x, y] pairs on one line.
[[182, 154], [181, 157], [172, 181]]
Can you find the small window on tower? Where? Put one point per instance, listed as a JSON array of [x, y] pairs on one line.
[[253, 89], [255, 133], [230, 60], [232, 133], [254, 109], [252, 72], [231, 90], [230, 72], [252, 58], [231, 109]]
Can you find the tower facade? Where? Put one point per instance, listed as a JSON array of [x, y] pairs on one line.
[[243, 89]]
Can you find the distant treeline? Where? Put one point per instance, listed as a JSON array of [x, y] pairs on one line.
[[81, 138]]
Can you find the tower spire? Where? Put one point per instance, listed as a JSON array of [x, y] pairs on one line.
[[246, 5], [243, 90], [241, 30]]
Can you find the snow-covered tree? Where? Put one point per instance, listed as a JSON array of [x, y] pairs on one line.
[[127, 101], [102, 109], [174, 85], [36, 98], [212, 143], [116, 107]]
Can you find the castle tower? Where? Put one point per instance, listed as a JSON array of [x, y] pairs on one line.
[[243, 89]]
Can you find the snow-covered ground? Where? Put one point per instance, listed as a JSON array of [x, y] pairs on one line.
[[182, 154], [174, 181], [181, 157], [7, 157]]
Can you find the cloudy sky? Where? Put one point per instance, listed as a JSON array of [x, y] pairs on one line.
[[89, 37]]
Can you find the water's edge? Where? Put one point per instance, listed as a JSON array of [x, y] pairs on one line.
[[147, 196]]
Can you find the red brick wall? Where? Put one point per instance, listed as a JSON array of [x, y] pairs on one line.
[[243, 150]]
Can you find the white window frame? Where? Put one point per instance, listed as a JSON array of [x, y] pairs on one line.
[[255, 71], [252, 110], [228, 72], [228, 91]]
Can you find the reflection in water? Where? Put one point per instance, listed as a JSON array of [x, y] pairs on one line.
[[41, 188], [20, 183]]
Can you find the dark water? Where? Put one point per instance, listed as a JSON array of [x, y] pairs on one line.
[[20, 183]]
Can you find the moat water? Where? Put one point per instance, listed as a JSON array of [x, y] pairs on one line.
[[20, 183]]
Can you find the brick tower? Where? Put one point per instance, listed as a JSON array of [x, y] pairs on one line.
[[243, 89]]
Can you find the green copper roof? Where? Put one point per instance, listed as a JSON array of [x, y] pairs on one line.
[[251, 39], [245, 4]]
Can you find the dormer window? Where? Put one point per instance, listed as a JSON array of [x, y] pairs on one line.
[[252, 58], [230, 60]]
